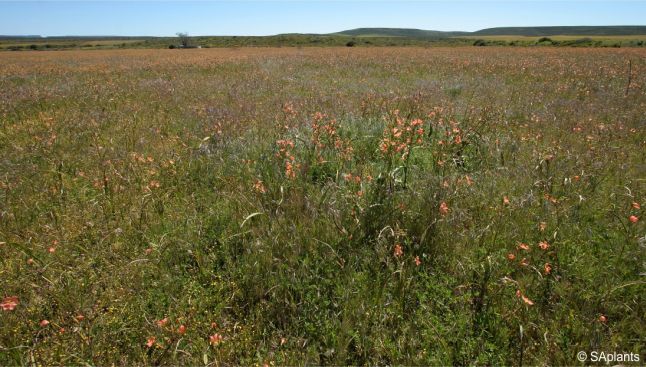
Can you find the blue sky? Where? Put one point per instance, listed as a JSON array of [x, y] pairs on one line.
[[165, 18]]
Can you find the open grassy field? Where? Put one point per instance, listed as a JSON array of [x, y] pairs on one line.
[[284, 206], [50, 44]]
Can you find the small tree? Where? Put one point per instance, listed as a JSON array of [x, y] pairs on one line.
[[184, 39]]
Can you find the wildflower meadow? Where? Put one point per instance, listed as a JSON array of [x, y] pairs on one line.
[[343, 206]]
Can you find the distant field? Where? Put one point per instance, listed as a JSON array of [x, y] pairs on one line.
[[322, 206], [79, 42], [53, 43], [374, 39]]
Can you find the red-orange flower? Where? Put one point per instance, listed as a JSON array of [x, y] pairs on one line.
[[511, 256], [418, 262], [543, 245], [398, 250], [259, 187], [44, 323], [9, 303], [523, 246], [603, 318], [215, 339], [633, 219], [151, 341], [444, 209], [528, 301], [181, 330], [636, 205], [548, 268], [162, 322]]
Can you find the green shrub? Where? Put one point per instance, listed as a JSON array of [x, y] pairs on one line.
[[545, 40]]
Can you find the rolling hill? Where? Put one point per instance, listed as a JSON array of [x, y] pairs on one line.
[[398, 32], [555, 31], [499, 31]]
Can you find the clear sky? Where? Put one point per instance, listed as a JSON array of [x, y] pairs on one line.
[[165, 18]]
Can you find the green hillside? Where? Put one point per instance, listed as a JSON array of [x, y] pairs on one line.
[[399, 32]]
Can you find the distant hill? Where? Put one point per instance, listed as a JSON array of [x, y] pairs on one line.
[[398, 32], [5, 37], [500, 31], [570, 31]]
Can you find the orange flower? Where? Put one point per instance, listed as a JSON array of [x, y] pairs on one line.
[[636, 205], [418, 262], [505, 200], [511, 256], [181, 330], [151, 341], [543, 245], [634, 218], [44, 323], [154, 184], [215, 339], [9, 303], [444, 209], [528, 301], [398, 250], [603, 318], [523, 246], [524, 261], [548, 268], [290, 168], [259, 187], [162, 322]]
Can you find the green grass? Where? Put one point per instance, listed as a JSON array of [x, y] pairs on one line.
[[138, 185]]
